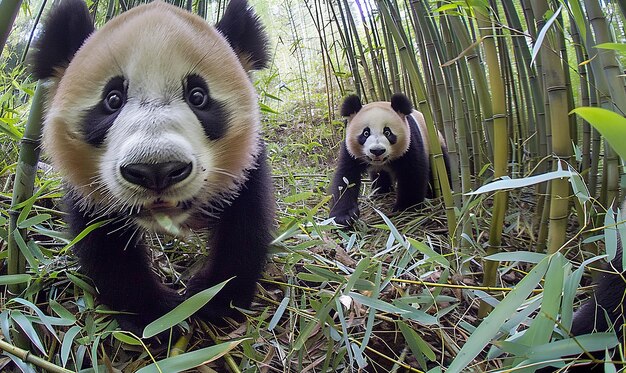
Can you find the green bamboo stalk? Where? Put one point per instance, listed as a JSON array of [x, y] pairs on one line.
[[500, 147], [392, 60], [541, 210], [376, 69], [581, 57], [460, 122], [423, 19], [349, 49], [8, 13], [28, 357], [24, 184], [527, 81], [555, 84], [479, 78], [359, 47], [410, 64]]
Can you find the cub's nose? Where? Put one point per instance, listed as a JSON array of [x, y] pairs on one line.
[[156, 176], [378, 151]]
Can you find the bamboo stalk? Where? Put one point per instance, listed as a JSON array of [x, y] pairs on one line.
[[410, 64], [500, 147], [8, 13], [555, 84], [24, 184], [27, 357]]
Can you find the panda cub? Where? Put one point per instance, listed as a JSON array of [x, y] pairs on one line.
[[154, 125], [389, 140]]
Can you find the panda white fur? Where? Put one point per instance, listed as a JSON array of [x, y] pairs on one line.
[[389, 140], [154, 124]]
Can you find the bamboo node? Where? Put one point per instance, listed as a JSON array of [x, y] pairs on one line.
[[28, 140], [556, 88]]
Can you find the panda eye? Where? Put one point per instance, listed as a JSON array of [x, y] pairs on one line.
[[113, 101], [387, 132], [197, 97], [196, 92], [366, 132]]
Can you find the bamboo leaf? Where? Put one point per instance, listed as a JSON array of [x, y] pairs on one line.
[[482, 336], [183, 310], [14, 279], [517, 256], [620, 47], [508, 183], [28, 329], [542, 34], [33, 221], [278, 314], [191, 360], [610, 124], [66, 345]]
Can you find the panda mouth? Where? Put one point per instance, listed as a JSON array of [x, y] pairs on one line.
[[377, 160], [160, 206]]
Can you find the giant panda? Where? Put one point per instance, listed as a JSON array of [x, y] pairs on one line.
[[154, 125], [389, 141]]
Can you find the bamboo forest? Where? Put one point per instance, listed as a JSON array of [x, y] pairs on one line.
[[513, 262]]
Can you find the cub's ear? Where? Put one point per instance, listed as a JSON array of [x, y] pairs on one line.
[[351, 105], [401, 104], [243, 30], [63, 32]]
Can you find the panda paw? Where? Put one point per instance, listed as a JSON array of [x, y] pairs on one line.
[[136, 322], [346, 218]]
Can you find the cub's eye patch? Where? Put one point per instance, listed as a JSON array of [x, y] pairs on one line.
[[390, 135], [364, 135], [101, 116], [211, 113]]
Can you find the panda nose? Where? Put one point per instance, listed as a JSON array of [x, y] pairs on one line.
[[156, 176], [378, 151]]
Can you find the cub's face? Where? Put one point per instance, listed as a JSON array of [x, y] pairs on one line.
[[377, 134], [154, 116]]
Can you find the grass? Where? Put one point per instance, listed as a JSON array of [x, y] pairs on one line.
[[390, 295]]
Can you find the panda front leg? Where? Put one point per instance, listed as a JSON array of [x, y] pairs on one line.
[[239, 246], [381, 182], [345, 201], [119, 264], [412, 174]]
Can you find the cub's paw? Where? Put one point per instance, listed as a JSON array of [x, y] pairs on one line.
[[346, 218], [135, 322]]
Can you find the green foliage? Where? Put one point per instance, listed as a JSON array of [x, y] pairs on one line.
[[396, 293]]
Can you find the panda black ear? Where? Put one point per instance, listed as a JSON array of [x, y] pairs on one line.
[[63, 32], [351, 105], [401, 104], [243, 30]]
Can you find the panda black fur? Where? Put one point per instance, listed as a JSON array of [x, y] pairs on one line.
[[154, 124], [389, 140]]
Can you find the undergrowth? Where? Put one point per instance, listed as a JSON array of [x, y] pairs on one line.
[[392, 295]]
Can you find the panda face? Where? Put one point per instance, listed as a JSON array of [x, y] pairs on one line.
[[154, 113], [377, 134]]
